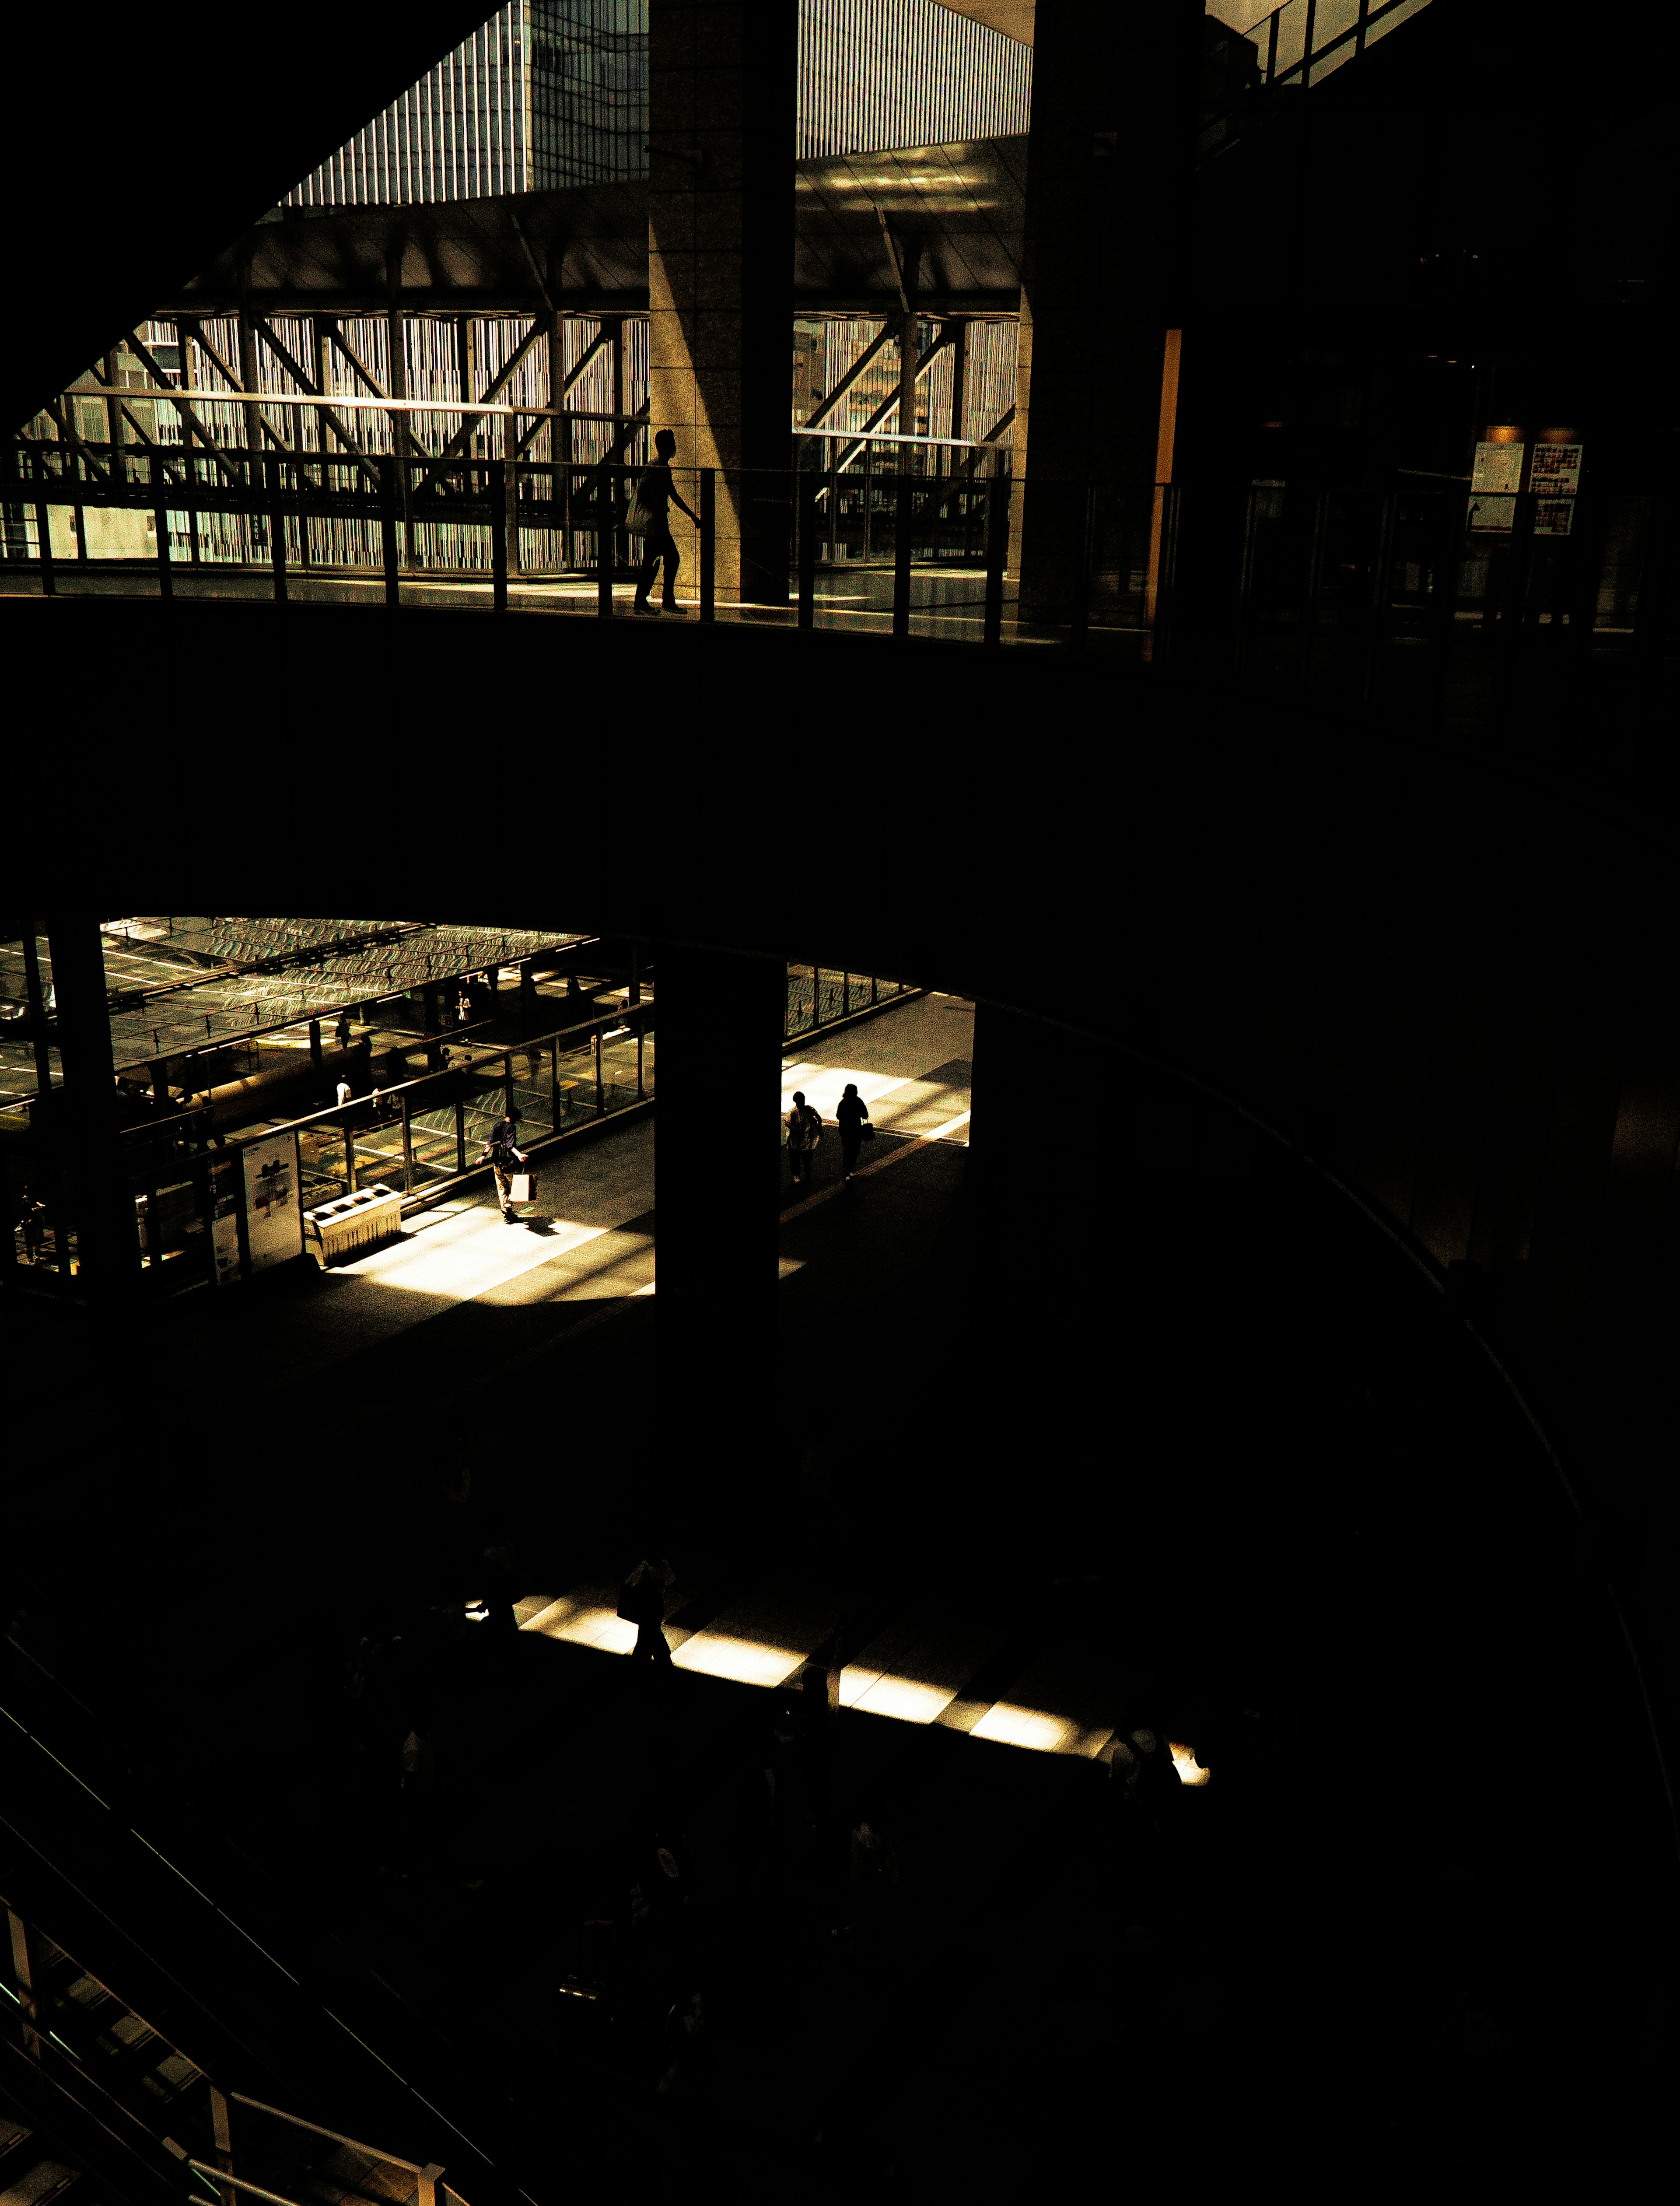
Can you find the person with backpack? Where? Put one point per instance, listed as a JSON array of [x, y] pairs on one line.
[[502, 1156], [650, 518], [805, 1130]]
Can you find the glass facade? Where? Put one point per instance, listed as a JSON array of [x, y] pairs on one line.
[[547, 92], [552, 93]]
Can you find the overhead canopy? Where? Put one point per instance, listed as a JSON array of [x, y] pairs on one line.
[[585, 250], [961, 207]]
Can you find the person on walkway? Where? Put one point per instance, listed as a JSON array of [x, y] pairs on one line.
[[641, 1601], [463, 1007], [654, 494], [342, 1092], [849, 1114], [501, 1154], [805, 1130], [341, 1033]]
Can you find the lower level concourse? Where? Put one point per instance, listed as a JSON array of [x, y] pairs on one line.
[[1148, 1451]]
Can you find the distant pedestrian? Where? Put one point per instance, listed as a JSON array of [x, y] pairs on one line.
[[341, 1033], [342, 1092], [650, 518], [641, 1601], [31, 1216], [851, 1113], [463, 1007], [805, 1130], [501, 1155]]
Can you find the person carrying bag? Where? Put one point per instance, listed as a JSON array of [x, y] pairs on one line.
[[504, 1156]]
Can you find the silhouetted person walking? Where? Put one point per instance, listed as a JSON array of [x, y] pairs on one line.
[[641, 1601], [654, 494], [805, 1130], [850, 1114], [501, 1155]]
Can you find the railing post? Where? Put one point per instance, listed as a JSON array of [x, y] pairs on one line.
[[1359, 33], [407, 1146], [600, 1103], [507, 1081], [460, 1133], [1306, 45], [996, 551], [1380, 592], [1080, 622], [349, 1157], [160, 522], [222, 2135], [499, 534], [805, 489], [277, 527], [554, 1083], [845, 995], [43, 543], [606, 512], [901, 550], [641, 1081], [388, 527], [708, 543], [23, 1977], [430, 2181]]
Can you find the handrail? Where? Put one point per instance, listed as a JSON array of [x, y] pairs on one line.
[[444, 1072], [894, 437], [358, 405], [390, 2159]]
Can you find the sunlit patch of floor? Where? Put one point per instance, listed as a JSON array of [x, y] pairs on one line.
[[916, 1675]]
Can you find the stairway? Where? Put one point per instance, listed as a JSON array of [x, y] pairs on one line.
[[154, 2102], [1245, 73]]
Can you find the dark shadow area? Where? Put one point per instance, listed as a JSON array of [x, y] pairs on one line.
[[1202, 1437]]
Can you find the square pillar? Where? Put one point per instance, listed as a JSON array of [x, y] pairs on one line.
[[722, 82], [717, 1204], [1109, 177]]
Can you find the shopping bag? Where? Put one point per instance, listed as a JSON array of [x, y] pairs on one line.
[[522, 1187], [866, 1131]]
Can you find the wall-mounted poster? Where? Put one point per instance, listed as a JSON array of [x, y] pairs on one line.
[[273, 1207], [1494, 483], [225, 1238], [1553, 516], [1555, 470]]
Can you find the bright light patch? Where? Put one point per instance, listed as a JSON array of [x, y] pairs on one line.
[[584, 1623], [1028, 1727], [747, 1661], [1184, 1762], [902, 1698]]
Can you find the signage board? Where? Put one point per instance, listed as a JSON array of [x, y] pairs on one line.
[[1494, 483], [273, 1206], [1555, 470]]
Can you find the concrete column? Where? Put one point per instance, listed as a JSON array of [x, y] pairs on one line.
[[1114, 95], [717, 1173], [720, 238], [82, 1119]]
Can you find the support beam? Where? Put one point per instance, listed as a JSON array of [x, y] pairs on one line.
[[1109, 177], [718, 1168], [722, 82], [81, 1116]]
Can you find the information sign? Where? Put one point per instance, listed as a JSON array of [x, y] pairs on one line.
[[1496, 479], [273, 1209], [1555, 469]]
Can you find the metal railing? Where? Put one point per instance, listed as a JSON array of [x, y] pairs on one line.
[[1296, 47], [1560, 625]]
